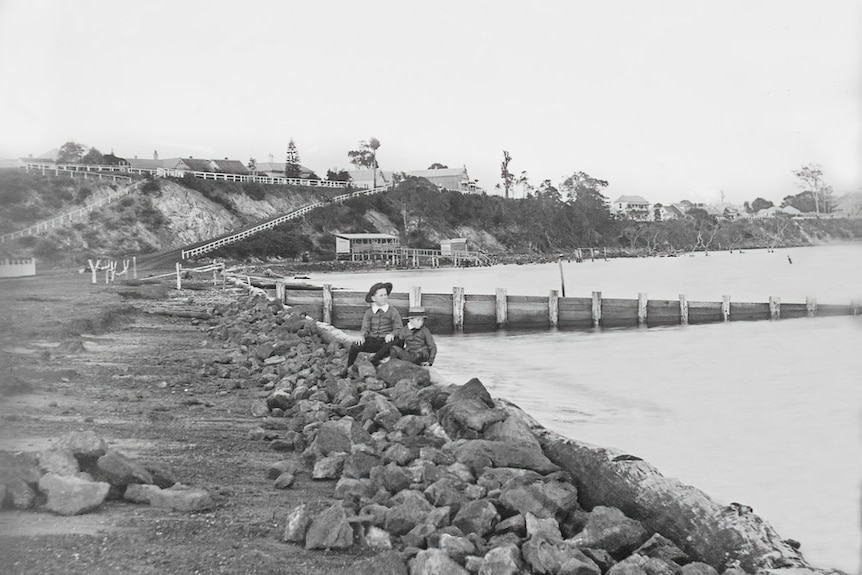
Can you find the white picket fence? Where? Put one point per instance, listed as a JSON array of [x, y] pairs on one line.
[[72, 215], [268, 225]]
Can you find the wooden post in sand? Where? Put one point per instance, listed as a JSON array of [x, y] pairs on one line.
[[502, 307], [179, 273], [811, 306], [683, 309], [597, 308], [774, 307], [642, 308], [458, 308], [327, 303], [725, 308], [554, 308]]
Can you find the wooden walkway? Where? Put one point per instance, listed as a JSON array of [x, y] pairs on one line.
[[459, 311], [415, 257]]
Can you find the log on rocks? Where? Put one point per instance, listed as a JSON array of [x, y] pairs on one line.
[[707, 531]]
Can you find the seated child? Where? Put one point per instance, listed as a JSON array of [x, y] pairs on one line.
[[379, 323], [416, 344]]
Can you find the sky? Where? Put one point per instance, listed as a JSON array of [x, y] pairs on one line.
[[667, 99]]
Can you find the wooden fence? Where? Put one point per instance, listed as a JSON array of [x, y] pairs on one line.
[[459, 311]]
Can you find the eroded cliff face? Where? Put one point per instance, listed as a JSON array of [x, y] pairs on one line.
[[190, 216]]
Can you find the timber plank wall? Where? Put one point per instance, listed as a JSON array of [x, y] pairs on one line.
[[487, 312]]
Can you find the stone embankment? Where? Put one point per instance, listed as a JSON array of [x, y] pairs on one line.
[[444, 479], [80, 471]]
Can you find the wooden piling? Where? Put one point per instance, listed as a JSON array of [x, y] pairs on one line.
[[135, 267], [327, 303], [458, 308], [597, 307], [280, 292], [725, 308], [502, 307], [415, 296], [554, 308], [683, 309], [811, 306], [774, 307], [642, 308], [179, 272]]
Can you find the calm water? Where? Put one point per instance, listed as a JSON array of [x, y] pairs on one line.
[[763, 413]]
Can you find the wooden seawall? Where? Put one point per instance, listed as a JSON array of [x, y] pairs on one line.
[[459, 311]]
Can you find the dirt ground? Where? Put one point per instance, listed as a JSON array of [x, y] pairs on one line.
[[126, 361]]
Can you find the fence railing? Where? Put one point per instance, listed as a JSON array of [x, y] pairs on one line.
[[70, 216], [268, 225], [73, 169], [175, 173]]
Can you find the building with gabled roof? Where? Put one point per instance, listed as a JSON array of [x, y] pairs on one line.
[[350, 245], [632, 207]]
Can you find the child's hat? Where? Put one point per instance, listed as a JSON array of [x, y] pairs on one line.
[[416, 312], [375, 287]]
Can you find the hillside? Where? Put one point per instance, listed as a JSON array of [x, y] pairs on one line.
[[171, 213]]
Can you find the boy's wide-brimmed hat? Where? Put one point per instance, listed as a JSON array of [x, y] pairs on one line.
[[376, 287], [416, 312]]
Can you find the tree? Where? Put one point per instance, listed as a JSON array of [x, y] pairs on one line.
[[811, 180], [760, 204], [337, 175], [438, 166], [526, 187], [547, 191], [252, 166], [507, 177], [366, 157], [70, 153], [292, 169], [803, 201], [93, 156], [583, 193]]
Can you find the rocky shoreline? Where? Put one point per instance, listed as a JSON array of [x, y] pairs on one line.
[[447, 479]]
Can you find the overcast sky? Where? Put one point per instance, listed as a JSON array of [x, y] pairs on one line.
[[667, 99]]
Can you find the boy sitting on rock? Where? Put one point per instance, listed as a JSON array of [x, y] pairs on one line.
[[415, 342], [379, 325]]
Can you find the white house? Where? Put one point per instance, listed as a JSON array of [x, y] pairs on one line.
[[632, 207]]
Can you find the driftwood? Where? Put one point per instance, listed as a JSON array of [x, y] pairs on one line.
[[715, 534]]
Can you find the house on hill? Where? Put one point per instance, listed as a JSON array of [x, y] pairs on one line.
[[276, 170], [456, 179], [632, 207]]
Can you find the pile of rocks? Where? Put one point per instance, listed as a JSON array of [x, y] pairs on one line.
[[441, 475], [79, 472]]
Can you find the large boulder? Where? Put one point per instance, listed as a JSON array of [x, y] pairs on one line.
[[120, 470], [296, 524], [548, 499], [477, 517], [338, 435], [396, 370], [59, 461], [609, 529], [69, 495], [410, 509], [83, 445], [503, 560], [330, 530], [181, 497], [479, 454], [435, 562], [386, 563]]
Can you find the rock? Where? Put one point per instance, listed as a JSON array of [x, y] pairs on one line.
[[473, 389], [405, 397], [280, 399], [439, 516], [503, 560], [435, 562], [20, 494], [280, 467], [515, 524], [477, 517], [162, 474], [467, 418], [609, 529], [72, 495], [656, 566], [390, 477], [396, 370], [512, 430], [386, 563], [329, 467], [418, 536], [409, 510], [351, 489], [181, 497], [19, 467], [447, 491], [140, 492], [547, 528], [83, 444], [330, 530], [458, 548], [627, 567], [413, 425], [479, 454], [543, 555], [399, 454], [378, 538], [259, 409], [297, 524], [551, 499], [661, 547], [58, 461], [119, 470], [359, 464], [580, 564], [497, 477], [698, 568], [285, 480], [339, 435]]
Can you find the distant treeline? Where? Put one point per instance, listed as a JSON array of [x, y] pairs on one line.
[[541, 224]]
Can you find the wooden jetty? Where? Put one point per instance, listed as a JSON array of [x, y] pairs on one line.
[[459, 311]]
